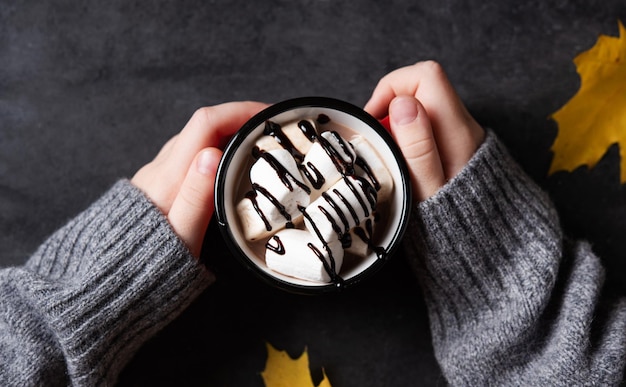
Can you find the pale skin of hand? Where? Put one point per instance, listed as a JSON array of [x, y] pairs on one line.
[[180, 180], [435, 132]]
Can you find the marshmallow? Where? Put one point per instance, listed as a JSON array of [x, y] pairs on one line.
[[329, 158], [372, 167], [345, 205], [277, 192], [284, 137], [300, 254]]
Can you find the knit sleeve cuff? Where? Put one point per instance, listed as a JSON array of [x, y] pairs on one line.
[[487, 243], [111, 278]]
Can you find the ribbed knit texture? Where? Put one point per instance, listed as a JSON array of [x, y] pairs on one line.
[[510, 301], [93, 293]]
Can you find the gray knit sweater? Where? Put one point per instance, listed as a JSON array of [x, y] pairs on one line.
[[510, 301], [93, 293]]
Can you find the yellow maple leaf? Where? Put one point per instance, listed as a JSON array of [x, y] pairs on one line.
[[283, 371], [595, 118]]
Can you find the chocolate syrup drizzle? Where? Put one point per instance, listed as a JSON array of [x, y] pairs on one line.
[[368, 187], [286, 177], [279, 248], [330, 267], [275, 130], [366, 237], [360, 161]]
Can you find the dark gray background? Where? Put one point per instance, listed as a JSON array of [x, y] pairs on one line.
[[90, 90]]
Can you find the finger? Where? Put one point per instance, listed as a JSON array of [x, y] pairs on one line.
[[457, 134], [208, 127], [193, 206], [212, 127], [162, 178], [403, 81], [427, 81], [411, 128]]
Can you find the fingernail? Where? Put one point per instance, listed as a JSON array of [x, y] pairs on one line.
[[403, 110], [206, 163]]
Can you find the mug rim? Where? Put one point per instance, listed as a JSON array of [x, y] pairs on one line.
[[252, 124]]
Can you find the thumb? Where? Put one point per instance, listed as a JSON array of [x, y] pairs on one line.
[[193, 206], [411, 128]]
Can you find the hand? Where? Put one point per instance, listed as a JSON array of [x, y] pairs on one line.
[[436, 133], [180, 180]]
